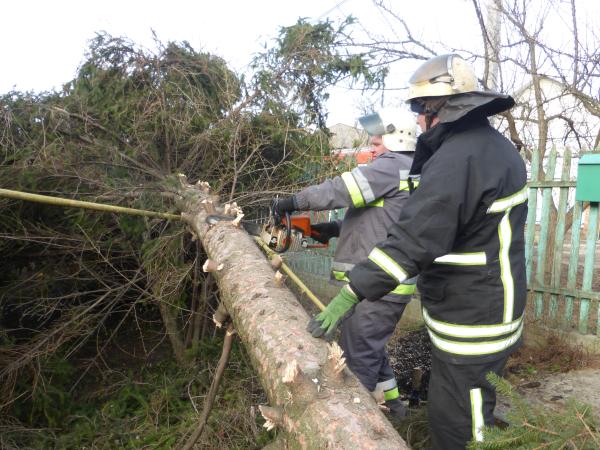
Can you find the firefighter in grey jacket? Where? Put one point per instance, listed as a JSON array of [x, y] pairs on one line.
[[374, 195], [462, 231]]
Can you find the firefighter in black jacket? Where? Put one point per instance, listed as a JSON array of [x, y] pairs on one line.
[[462, 231], [374, 195]]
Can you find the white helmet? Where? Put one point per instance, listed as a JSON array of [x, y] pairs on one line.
[[446, 86], [397, 128], [442, 75]]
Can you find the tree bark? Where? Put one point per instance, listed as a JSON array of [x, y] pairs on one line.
[[315, 401]]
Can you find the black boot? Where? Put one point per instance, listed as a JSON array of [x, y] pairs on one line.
[[397, 408]]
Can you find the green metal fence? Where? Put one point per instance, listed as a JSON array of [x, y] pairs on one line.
[[561, 249]]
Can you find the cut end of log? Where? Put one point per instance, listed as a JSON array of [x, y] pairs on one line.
[[279, 279], [203, 185], [211, 266], [273, 416], [335, 358], [221, 316], [291, 372], [276, 262], [209, 206], [236, 222]]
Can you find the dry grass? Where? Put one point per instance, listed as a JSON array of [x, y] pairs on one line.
[[553, 353]]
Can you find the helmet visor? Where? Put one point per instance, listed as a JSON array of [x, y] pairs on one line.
[[373, 125], [417, 106], [435, 67]]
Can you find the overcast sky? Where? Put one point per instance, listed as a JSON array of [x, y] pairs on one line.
[[42, 42]]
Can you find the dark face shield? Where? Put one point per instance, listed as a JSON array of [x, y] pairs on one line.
[[417, 106]]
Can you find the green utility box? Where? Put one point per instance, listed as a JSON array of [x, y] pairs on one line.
[[588, 178]]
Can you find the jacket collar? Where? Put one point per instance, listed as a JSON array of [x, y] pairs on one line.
[[431, 140]]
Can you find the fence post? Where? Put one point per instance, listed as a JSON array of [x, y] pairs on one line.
[[543, 240]]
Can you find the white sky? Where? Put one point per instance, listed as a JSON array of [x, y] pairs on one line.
[[42, 42]]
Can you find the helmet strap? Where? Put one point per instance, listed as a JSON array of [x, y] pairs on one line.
[[432, 106], [429, 116]]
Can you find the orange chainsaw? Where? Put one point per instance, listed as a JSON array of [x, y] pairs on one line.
[[281, 234], [289, 233]]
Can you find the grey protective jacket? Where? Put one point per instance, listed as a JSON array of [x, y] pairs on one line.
[[374, 195]]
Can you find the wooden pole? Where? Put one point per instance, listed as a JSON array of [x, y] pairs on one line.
[[57, 201]]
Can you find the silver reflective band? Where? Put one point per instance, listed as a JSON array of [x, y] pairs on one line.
[[363, 185], [462, 259], [477, 422], [470, 331], [505, 203], [341, 267], [388, 265], [386, 385], [475, 348]]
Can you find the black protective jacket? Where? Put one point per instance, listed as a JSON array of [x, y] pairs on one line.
[[462, 231]]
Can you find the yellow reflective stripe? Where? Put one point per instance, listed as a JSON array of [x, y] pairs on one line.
[[505, 203], [377, 203], [405, 289], [477, 422], [357, 199], [470, 331], [388, 265], [363, 184], [340, 276], [475, 348], [505, 236], [404, 186], [462, 259], [392, 394]]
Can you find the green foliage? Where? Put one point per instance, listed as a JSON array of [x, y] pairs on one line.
[[306, 61], [150, 408], [50, 402], [414, 429], [117, 133], [533, 427]]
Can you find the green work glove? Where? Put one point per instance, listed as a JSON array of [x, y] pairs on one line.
[[327, 321]]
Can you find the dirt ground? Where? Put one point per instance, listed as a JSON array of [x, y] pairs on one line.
[[552, 372], [547, 374], [552, 390]]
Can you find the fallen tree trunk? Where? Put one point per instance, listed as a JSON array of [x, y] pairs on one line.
[[315, 401]]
